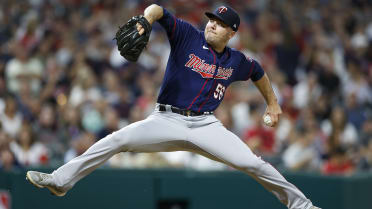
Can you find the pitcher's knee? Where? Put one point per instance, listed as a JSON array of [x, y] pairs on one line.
[[246, 167], [249, 165], [119, 139]]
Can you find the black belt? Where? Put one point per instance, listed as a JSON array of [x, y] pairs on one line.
[[184, 112]]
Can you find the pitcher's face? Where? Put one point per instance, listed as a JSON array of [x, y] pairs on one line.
[[217, 32]]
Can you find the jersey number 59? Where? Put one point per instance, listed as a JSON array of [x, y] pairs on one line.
[[220, 90]]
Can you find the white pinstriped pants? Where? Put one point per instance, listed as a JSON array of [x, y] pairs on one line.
[[167, 131]]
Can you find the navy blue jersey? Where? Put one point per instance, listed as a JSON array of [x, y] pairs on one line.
[[196, 76]]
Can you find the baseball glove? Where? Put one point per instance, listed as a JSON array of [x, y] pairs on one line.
[[130, 43]]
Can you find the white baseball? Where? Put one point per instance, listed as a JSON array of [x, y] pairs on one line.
[[267, 120]]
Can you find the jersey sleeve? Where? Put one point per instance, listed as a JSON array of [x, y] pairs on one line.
[[178, 31], [249, 69]]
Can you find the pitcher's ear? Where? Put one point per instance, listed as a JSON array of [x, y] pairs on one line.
[[232, 34]]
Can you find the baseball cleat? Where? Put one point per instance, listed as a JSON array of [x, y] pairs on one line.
[[42, 180]]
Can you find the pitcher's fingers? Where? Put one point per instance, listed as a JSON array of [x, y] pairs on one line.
[[139, 26], [273, 124], [142, 31], [274, 118]]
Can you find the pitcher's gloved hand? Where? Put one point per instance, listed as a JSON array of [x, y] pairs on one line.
[[130, 41]]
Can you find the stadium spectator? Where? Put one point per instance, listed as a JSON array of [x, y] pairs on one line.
[[24, 72], [338, 122], [302, 154], [11, 119], [338, 163], [7, 160], [28, 151]]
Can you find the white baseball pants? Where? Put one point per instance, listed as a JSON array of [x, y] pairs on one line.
[[168, 131]]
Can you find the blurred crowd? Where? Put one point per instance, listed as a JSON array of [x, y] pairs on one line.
[[64, 85]]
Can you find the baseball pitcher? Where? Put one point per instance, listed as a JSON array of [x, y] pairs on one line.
[[199, 69]]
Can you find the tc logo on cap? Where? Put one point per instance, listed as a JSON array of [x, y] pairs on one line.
[[222, 9]]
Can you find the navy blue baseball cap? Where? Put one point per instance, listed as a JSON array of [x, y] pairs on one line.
[[227, 15]]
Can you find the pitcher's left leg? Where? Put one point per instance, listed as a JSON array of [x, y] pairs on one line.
[[158, 132], [219, 143]]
